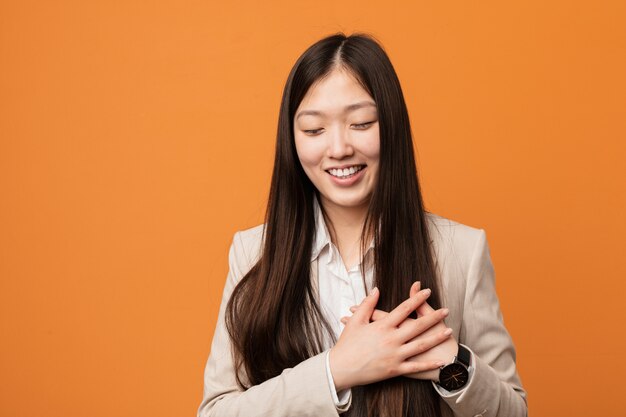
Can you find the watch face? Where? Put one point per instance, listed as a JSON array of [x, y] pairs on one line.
[[453, 376]]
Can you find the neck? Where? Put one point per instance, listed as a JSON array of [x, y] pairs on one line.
[[345, 225]]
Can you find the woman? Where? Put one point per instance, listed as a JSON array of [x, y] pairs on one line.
[[345, 217]]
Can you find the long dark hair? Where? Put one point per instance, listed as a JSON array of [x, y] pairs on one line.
[[273, 317]]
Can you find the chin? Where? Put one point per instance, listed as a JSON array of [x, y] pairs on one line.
[[347, 202]]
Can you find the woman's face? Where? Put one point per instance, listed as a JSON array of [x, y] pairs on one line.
[[337, 140]]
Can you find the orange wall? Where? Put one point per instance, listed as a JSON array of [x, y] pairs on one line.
[[137, 137]]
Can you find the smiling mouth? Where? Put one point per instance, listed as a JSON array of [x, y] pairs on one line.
[[346, 172]]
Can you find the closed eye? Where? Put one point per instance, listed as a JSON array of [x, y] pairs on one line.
[[312, 132], [358, 126], [363, 126]]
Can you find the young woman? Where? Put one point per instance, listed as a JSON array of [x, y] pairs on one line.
[[346, 232]]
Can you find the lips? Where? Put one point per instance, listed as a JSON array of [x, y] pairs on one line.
[[345, 172]]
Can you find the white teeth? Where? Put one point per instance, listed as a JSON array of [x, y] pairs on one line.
[[342, 173]]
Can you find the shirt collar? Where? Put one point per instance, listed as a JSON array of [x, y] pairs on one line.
[[322, 236]]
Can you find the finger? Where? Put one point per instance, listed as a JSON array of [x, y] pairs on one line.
[[422, 344], [417, 285], [424, 309], [415, 288], [366, 308], [376, 315], [412, 367], [402, 311], [379, 314], [413, 328]]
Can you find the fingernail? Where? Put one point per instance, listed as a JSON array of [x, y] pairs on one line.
[[445, 311], [353, 309], [374, 291], [426, 291], [447, 332]]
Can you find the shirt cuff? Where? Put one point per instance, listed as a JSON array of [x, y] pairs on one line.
[[343, 398], [444, 392]]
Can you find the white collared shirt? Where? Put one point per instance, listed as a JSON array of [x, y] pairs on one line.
[[340, 289]]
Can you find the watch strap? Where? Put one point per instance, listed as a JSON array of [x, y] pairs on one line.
[[464, 355]]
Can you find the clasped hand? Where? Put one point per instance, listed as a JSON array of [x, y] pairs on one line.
[[376, 345]]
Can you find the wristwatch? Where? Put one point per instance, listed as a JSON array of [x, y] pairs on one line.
[[456, 374]]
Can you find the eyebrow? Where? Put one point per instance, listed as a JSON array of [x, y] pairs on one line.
[[346, 109]]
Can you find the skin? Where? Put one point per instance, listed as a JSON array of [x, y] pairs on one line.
[[444, 352], [338, 137], [336, 125]]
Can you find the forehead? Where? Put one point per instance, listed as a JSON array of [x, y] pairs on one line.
[[334, 93]]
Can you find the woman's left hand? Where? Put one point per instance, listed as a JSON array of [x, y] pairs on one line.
[[445, 351]]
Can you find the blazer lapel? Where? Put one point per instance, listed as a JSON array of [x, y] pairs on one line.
[[315, 278]]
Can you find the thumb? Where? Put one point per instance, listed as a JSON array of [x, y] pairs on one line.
[[367, 307]]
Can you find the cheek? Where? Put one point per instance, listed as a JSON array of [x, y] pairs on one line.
[[310, 153], [371, 148]]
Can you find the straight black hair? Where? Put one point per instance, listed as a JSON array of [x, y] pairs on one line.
[[273, 317]]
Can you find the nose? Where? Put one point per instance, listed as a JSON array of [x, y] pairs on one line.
[[339, 144]]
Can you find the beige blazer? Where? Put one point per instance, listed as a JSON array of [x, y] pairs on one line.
[[468, 289]]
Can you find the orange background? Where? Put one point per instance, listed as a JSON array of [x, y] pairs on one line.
[[137, 137]]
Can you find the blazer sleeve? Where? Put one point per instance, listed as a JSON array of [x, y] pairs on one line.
[[299, 391], [495, 388]]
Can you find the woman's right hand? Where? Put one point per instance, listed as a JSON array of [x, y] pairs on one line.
[[368, 352], [446, 350]]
